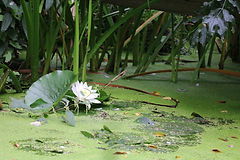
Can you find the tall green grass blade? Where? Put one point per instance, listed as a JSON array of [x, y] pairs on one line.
[[211, 50], [32, 18], [51, 37], [108, 33], [84, 66], [205, 50], [76, 42]]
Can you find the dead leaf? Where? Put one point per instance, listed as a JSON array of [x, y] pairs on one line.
[[221, 101], [223, 139], [138, 114], [167, 98], [177, 157], [16, 145], [120, 153], [152, 146], [156, 93], [234, 137], [159, 134], [216, 151]]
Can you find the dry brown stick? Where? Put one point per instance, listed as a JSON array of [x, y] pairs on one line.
[[142, 91], [227, 72]]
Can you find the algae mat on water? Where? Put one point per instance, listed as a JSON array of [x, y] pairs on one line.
[[145, 135], [220, 139]]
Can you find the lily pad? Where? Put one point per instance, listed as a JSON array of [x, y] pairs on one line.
[[47, 92]]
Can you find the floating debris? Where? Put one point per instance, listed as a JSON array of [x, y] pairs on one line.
[[223, 139], [153, 133], [221, 101], [45, 146], [182, 90], [36, 123], [120, 153], [216, 151], [124, 104]]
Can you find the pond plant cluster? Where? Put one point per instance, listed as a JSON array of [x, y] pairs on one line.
[[47, 46]]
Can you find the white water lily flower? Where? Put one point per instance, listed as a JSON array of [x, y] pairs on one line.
[[85, 94]]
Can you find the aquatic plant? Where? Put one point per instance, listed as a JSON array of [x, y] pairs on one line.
[[84, 94], [55, 92]]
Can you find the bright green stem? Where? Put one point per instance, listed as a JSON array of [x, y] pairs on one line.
[[76, 43], [211, 50], [129, 15], [84, 68], [196, 72]]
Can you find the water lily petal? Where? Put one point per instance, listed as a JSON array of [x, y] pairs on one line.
[[93, 96], [85, 84], [95, 101]]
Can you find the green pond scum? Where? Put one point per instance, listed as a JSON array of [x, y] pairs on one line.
[[45, 146], [200, 128]]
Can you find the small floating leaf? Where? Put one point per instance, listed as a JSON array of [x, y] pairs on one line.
[[69, 118], [177, 157], [107, 129], [152, 146], [138, 114], [57, 151], [234, 137], [221, 101], [159, 134], [223, 139], [16, 145], [120, 153], [216, 151], [87, 134]]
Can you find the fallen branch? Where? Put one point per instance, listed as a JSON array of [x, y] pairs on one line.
[[227, 72], [142, 91]]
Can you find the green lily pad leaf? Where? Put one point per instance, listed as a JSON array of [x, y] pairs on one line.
[[49, 90], [103, 96], [38, 103], [18, 103], [87, 134], [69, 118], [107, 129]]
